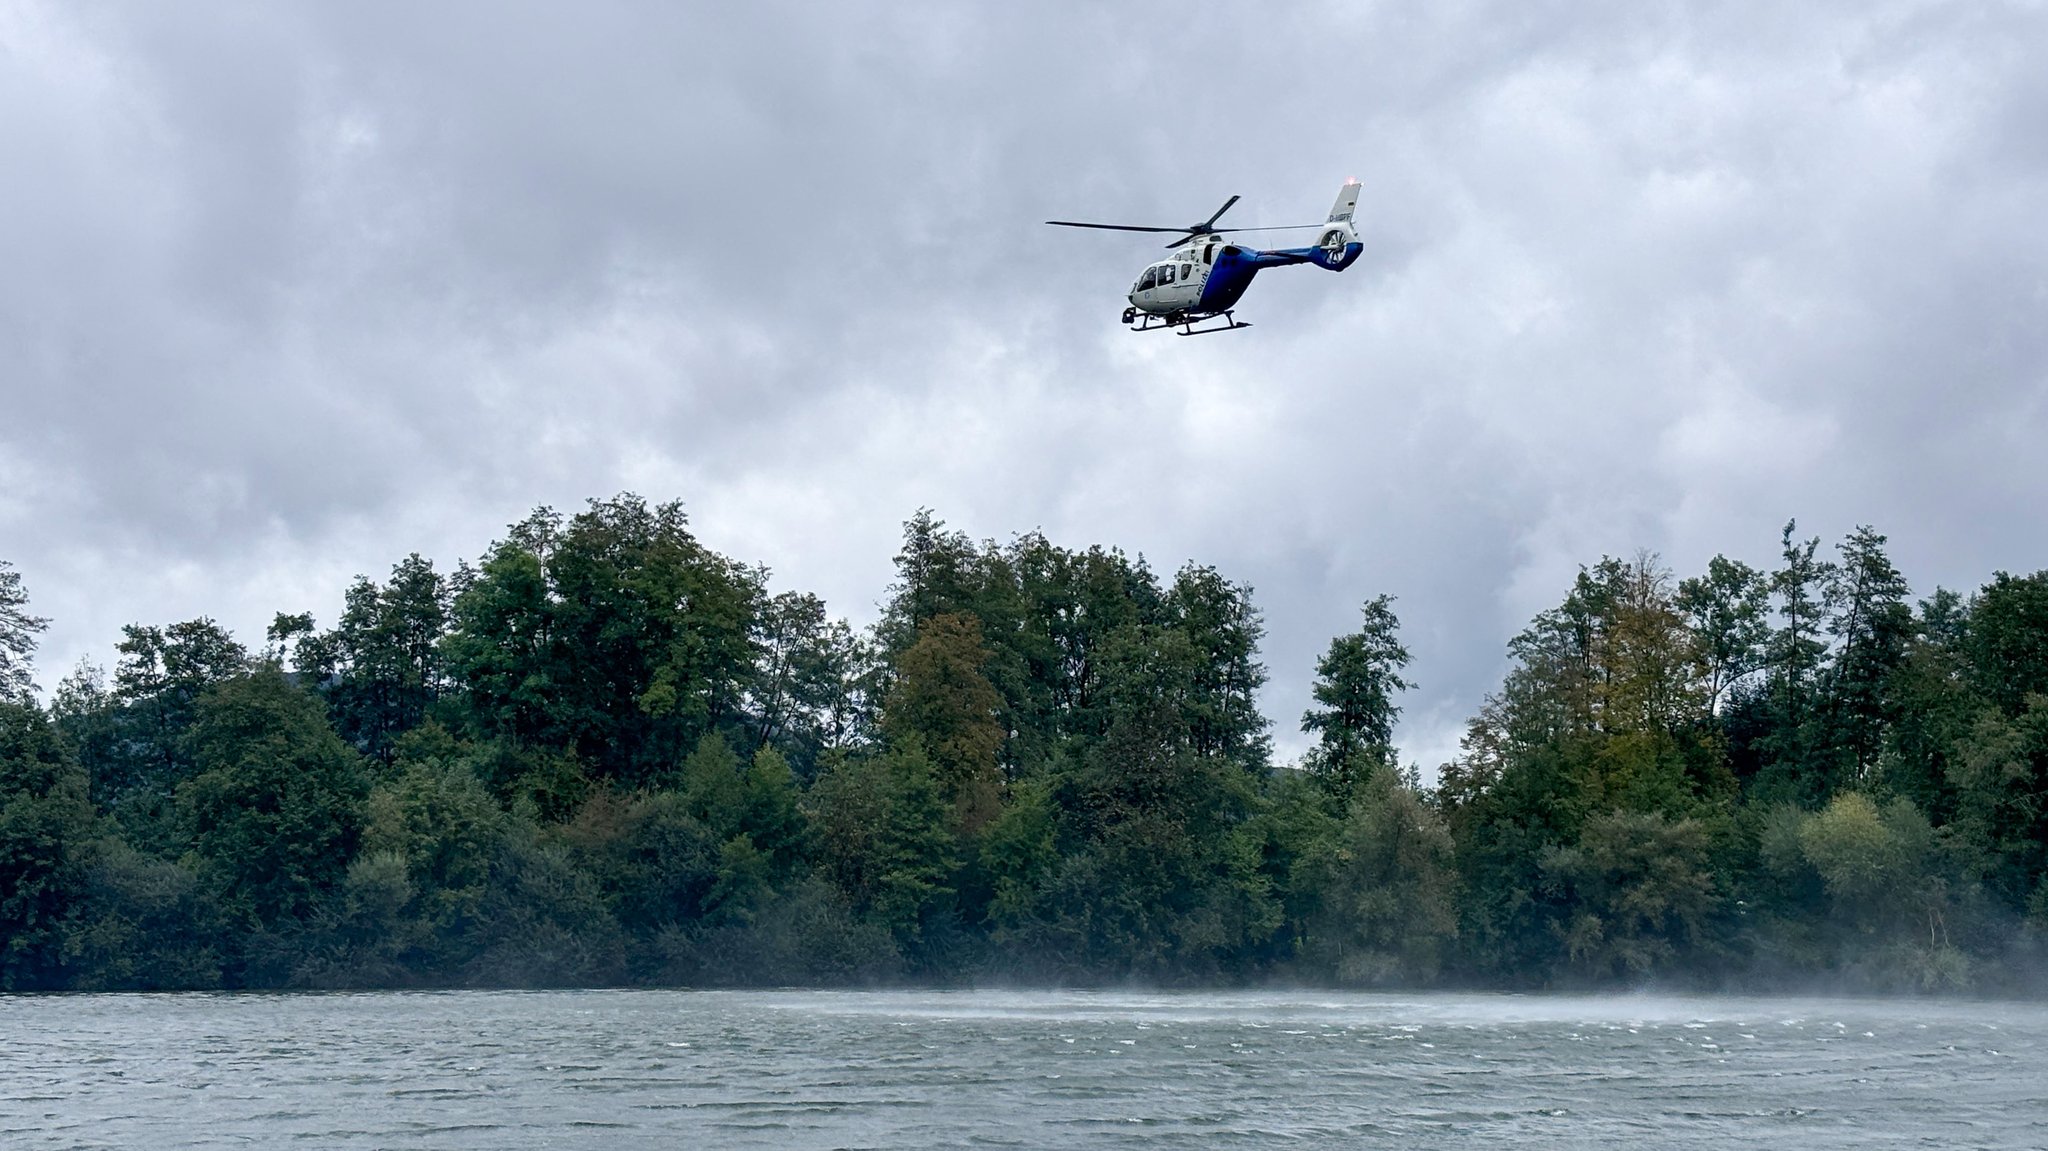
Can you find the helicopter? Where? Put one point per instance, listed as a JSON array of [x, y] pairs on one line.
[[1206, 275]]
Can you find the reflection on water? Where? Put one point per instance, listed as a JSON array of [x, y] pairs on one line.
[[626, 1069]]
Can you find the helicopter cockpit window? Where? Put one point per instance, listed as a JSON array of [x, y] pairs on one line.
[[1166, 275], [1151, 279]]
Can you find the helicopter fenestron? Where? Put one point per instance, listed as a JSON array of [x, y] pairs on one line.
[[1206, 275]]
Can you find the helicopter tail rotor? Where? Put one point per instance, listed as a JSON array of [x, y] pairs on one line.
[[1335, 239]]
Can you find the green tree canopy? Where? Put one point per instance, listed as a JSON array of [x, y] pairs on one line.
[[1356, 683], [276, 808], [17, 636], [2008, 640], [616, 635], [380, 669], [941, 702], [46, 844]]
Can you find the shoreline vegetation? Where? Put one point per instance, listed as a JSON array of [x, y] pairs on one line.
[[607, 755]]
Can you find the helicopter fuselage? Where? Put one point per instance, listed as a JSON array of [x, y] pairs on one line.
[[1204, 275], [1207, 276]]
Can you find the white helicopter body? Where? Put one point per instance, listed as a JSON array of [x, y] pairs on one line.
[[1207, 274]]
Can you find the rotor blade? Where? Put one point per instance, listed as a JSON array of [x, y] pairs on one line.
[[1274, 228], [1210, 223], [1112, 227], [1221, 231]]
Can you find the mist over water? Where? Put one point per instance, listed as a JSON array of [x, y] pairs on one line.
[[630, 1069]]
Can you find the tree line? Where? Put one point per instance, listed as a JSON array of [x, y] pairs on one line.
[[607, 754]]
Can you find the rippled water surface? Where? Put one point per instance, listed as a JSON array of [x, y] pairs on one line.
[[629, 1069]]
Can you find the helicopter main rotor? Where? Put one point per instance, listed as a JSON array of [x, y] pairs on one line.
[[1205, 228]]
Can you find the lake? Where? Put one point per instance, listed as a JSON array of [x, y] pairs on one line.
[[631, 1069]]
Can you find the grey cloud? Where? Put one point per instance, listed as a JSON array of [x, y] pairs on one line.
[[291, 292]]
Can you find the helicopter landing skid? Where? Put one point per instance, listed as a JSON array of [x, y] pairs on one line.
[[1186, 324]]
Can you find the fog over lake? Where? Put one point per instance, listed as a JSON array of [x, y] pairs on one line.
[[629, 1069]]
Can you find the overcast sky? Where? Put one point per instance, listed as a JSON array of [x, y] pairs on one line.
[[288, 291]]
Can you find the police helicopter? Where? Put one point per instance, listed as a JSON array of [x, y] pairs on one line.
[[1206, 275]]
